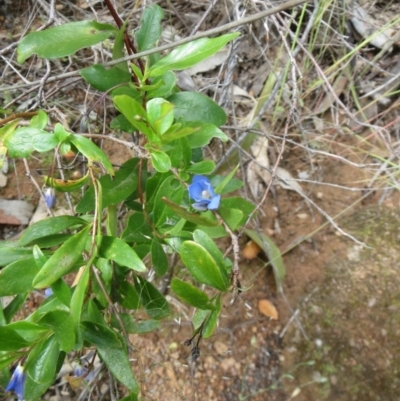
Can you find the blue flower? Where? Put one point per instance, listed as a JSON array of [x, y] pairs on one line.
[[80, 370], [50, 197], [202, 192], [48, 292], [17, 382]]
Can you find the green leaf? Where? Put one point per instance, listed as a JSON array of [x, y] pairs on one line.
[[66, 185], [194, 218], [159, 259], [118, 48], [201, 238], [221, 186], [63, 260], [17, 277], [128, 296], [78, 297], [204, 167], [133, 326], [189, 54], [152, 300], [172, 189], [232, 217], [115, 190], [10, 340], [160, 114], [100, 335], [150, 27], [239, 203], [204, 134], [92, 152], [120, 252], [135, 114], [41, 368], [190, 294], [62, 324], [137, 229], [63, 40], [160, 160], [104, 79], [194, 106], [202, 265], [14, 306], [273, 253], [49, 226], [24, 140], [218, 182], [168, 83], [40, 120], [118, 363], [212, 320], [62, 292], [30, 332]]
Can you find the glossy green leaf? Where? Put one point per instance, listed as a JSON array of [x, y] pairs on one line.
[[134, 326], [204, 134], [61, 133], [49, 226], [150, 27], [160, 160], [104, 79], [17, 277], [62, 324], [204, 167], [128, 296], [63, 260], [137, 229], [194, 106], [24, 140], [194, 218], [202, 265], [40, 120], [7, 359], [273, 253], [115, 190], [135, 114], [190, 294], [152, 300], [66, 185], [118, 48], [212, 320], [118, 363], [63, 40], [41, 368], [201, 238], [29, 331], [171, 189], [62, 291], [237, 202], [100, 335], [160, 114], [120, 252], [189, 54], [10, 340], [92, 152], [166, 88], [232, 217], [159, 259], [222, 187], [78, 297]]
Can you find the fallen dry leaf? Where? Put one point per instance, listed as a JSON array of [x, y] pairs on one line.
[[251, 250], [267, 308]]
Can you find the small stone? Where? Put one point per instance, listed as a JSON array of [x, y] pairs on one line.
[[221, 347], [302, 216]]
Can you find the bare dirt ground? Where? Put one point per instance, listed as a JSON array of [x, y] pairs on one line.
[[338, 340]]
